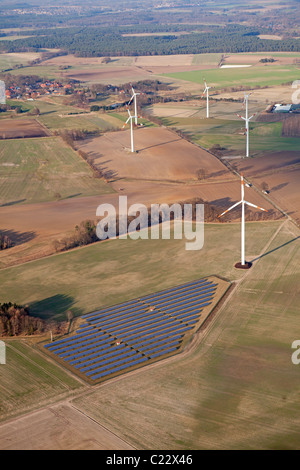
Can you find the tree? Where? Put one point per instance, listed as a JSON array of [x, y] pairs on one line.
[[264, 186], [201, 174]]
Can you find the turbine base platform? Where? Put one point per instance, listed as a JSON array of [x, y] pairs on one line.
[[247, 265]]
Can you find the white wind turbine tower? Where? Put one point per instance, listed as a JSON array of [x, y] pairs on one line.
[[131, 127], [207, 97], [243, 263], [133, 97], [247, 120]]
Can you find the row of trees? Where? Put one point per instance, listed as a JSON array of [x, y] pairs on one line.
[[291, 126], [15, 320], [5, 242]]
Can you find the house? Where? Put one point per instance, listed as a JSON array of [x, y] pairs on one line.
[[282, 108]]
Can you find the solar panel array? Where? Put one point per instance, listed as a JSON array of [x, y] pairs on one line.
[[133, 333]]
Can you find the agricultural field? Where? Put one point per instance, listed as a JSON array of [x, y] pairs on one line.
[[234, 385], [237, 387], [281, 172], [154, 177], [8, 61], [44, 169], [224, 128], [246, 77], [59, 427], [21, 128], [29, 380], [123, 268], [158, 157]]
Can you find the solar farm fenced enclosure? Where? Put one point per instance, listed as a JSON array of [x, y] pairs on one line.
[[127, 336]]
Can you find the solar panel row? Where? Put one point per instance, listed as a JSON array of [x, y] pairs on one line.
[[89, 353], [153, 332], [107, 366], [108, 361], [160, 323], [175, 289], [87, 348], [156, 340], [118, 369], [73, 344], [127, 318], [161, 353], [148, 351], [112, 352], [184, 293], [117, 308], [181, 301], [131, 303]]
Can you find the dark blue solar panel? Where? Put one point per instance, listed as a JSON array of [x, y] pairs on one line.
[[111, 352], [87, 346], [71, 340], [154, 331], [175, 311], [156, 340], [113, 307], [162, 324], [85, 328], [197, 303], [185, 316], [117, 308], [149, 350], [119, 315], [117, 369], [161, 353], [73, 345], [107, 366], [175, 289], [177, 295], [125, 355], [156, 318], [184, 299], [128, 319], [88, 354]]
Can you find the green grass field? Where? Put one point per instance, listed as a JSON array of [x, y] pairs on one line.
[[36, 170], [250, 76], [29, 380], [228, 133], [8, 61], [110, 272], [238, 389], [206, 59]]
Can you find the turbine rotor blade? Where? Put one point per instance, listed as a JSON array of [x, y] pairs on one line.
[[230, 208], [256, 207]]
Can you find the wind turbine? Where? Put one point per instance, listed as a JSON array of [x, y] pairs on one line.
[[131, 127], [243, 263], [133, 97], [247, 120], [207, 97]]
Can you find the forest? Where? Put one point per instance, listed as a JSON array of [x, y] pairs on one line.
[[102, 42]]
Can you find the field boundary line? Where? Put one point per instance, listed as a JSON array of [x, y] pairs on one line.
[[99, 424]]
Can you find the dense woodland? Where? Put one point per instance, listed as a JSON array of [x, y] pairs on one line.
[[102, 42]]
